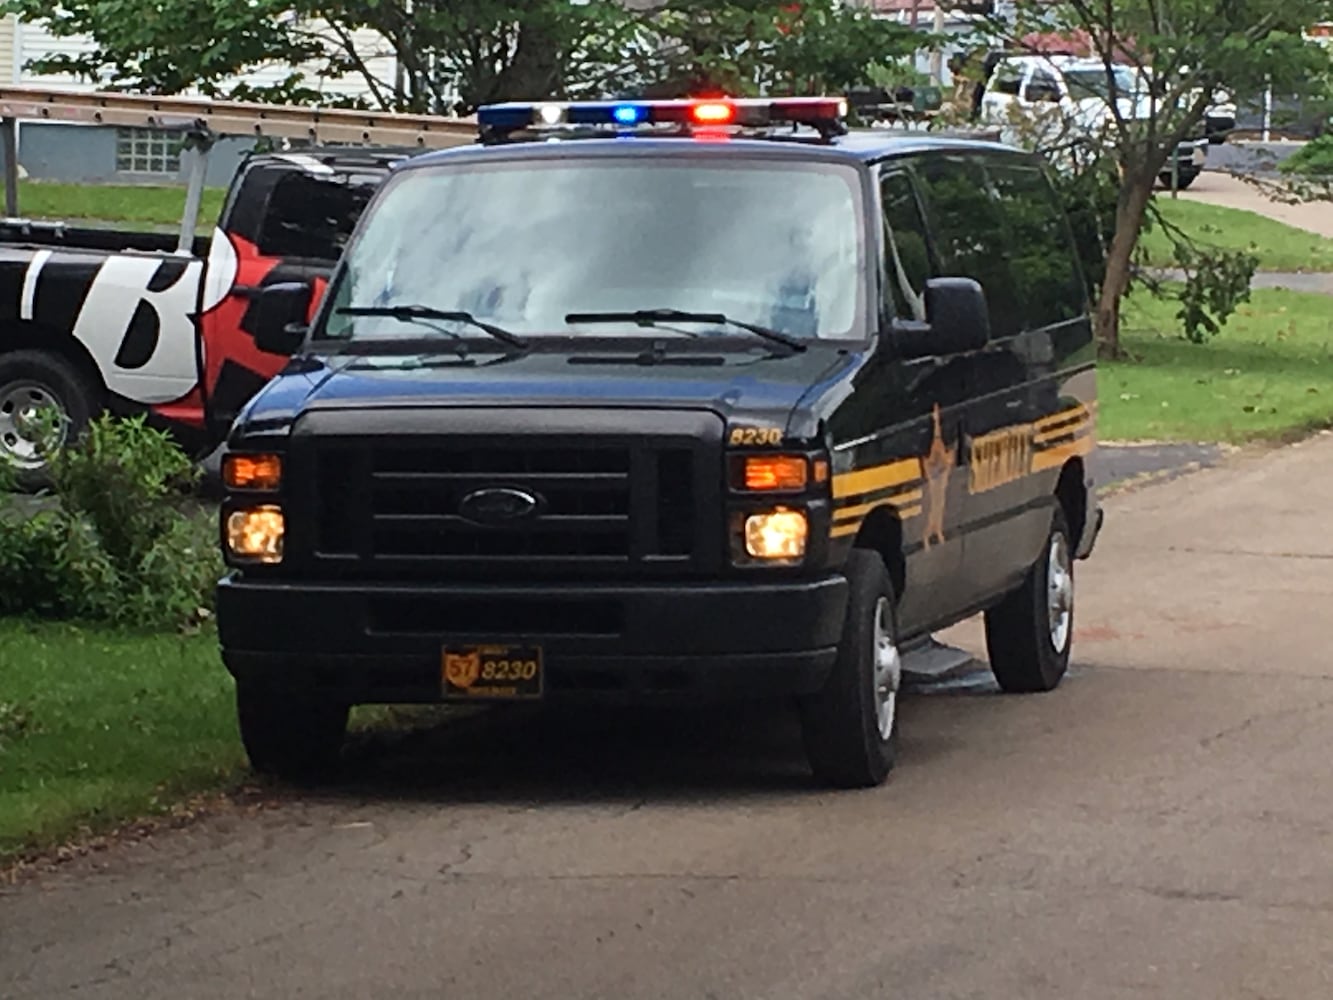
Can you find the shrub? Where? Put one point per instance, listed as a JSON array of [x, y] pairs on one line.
[[123, 542], [1314, 159]]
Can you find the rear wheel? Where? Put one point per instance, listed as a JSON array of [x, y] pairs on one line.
[[1029, 633], [34, 383], [851, 726], [1183, 180], [293, 735]]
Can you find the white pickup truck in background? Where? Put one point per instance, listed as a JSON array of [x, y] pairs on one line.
[[1051, 99]]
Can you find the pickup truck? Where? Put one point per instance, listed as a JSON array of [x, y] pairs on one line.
[[101, 319], [1051, 99]]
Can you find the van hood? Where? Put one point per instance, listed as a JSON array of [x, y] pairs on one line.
[[756, 382]]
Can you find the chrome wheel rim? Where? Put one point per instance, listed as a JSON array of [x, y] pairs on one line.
[[1059, 593], [21, 404], [888, 669]]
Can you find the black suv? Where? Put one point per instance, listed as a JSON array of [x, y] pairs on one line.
[[699, 399]]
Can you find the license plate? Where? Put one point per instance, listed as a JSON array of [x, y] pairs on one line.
[[491, 672]]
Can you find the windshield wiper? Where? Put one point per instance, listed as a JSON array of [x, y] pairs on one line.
[[652, 317], [416, 313]]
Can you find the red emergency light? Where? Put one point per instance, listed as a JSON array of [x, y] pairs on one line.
[[625, 117]]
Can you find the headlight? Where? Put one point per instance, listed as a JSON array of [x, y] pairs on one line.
[[252, 472], [776, 534], [256, 533]]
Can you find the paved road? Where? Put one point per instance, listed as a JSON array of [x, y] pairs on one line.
[[1160, 826]]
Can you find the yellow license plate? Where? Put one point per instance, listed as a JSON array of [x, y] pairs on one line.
[[492, 672]]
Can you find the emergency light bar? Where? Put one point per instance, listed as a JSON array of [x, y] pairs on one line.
[[822, 113]]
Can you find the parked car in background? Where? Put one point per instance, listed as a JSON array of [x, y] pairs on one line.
[[1057, 98]]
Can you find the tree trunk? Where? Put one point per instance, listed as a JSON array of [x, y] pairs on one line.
[[1130, 212]]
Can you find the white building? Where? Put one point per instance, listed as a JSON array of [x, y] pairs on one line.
[[142, 154]]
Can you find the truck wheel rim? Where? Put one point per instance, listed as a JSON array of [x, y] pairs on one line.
[[1059, 593], [888, 669], [21, 403]]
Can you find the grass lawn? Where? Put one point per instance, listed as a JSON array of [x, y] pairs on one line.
[[147, 205], [1279, 247], [1267, 375], [99, 727]]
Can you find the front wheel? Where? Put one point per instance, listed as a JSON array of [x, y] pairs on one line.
[[851, 726], [293, 735], [1029, 633], [34, 384]]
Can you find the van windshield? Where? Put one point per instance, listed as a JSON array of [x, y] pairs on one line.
[[523, 245]]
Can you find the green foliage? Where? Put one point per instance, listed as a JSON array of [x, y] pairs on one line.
[[746, 47], [488, 50], [1314, 159], [1183, 53], [1217, 282], [167, 46], [100, 726], [1278, 246], [121, 544], [1265, 376]]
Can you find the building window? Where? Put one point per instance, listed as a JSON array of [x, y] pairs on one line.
[[147, 151]]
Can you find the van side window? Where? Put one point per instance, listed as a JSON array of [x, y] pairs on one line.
[[969, 234], [1040, 248], [906, 253]]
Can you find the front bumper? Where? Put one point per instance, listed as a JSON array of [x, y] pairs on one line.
[[367, 643]]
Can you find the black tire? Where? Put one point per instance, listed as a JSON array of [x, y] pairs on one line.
[[44, 378], [292, 735], [1021, 634], [1183, 180], [841, 726]]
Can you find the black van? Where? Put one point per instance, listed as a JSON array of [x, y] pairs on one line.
[[700, 399]]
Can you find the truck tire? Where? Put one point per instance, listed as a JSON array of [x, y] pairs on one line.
[[1029, 633], [1183, 180], [31, 380], [851, 726], [289, 734]]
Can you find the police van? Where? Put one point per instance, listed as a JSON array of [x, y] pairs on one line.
[[666, 400]]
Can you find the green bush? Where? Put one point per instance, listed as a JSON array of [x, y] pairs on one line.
[[1314, 159], [122, 543]]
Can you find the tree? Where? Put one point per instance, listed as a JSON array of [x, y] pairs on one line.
[[168, 46], [1181, 53], [745, 47], [486, 50]]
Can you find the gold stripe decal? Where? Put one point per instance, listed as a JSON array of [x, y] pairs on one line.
[[1053, 458], [996, 459], [901, 500], [876, 477]]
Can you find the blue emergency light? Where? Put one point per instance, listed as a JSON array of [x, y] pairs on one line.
[[823, 113]]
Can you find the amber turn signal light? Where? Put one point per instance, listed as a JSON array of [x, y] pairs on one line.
[[252, 472], [775, 472]]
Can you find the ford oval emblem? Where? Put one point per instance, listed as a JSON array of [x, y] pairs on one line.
[[498, 505]]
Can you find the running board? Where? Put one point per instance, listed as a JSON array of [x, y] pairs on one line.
[[929, 660]]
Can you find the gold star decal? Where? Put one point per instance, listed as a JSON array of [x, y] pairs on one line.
[[936, 468]]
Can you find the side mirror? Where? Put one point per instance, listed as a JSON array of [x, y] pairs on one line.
[[957, 321], [958, 315], [280, 317]]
